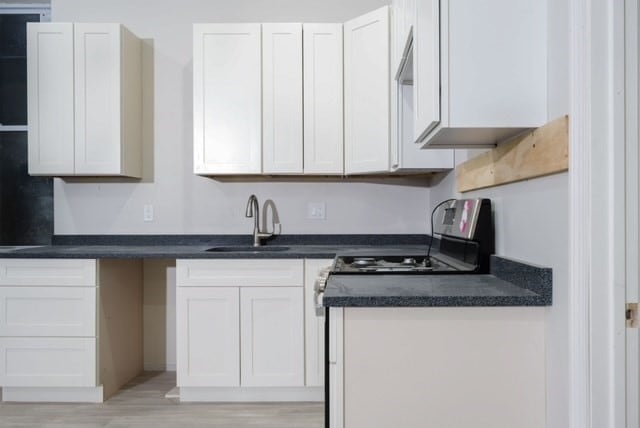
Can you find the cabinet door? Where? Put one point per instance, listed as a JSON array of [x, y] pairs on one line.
[[323, 99], [426, 67], [314, 325], [366, 80], [50, 98], [401, 23], [97, 99], [282, 98], [47, 361], [208, 331], [48, 311], [272, 336], [227, 99]]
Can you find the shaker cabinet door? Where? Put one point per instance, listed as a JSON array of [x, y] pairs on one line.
[[426, 67], [47, 361], [323, 99], [50, 98], [282, 98], [272, 336], [97, 99], [366, 92], [208, 331], [227, 95], [48, 311]]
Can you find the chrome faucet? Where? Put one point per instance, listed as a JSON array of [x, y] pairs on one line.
[[253, 210]]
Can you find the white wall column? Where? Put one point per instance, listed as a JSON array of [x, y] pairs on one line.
[[596, 214]]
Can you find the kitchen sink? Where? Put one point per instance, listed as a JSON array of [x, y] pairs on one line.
[[10, 248], [252, 249]]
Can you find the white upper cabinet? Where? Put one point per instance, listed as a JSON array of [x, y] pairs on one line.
[[227, 99], [480, 70], [406, 156], [323, 99], [85, 100], [282, 98], [251, 114], [366, 93]]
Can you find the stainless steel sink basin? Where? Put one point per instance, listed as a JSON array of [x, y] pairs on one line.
[[251, 249], [10, 248]]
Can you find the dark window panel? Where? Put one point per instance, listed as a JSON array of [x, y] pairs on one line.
[[13, 30], [13, 91], [26, 203]]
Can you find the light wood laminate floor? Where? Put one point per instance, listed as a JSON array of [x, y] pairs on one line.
[[142, 403]]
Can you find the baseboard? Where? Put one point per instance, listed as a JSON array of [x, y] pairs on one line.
[[72, 394], [250, 394]]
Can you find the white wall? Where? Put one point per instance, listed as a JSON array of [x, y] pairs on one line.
[[532, 220], [185, 203]]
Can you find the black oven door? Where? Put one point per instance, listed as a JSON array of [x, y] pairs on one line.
[[327, 377]]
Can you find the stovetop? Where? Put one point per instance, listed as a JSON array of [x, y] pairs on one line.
[[418, 264]]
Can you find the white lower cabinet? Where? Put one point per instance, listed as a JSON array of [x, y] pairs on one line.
[[241, 334], [272, 336], [208, 325], [70, 330], [47, 361]]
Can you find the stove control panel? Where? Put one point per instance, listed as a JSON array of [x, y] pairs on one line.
[[461, 218]]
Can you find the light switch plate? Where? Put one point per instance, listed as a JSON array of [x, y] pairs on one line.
[[316, 211]]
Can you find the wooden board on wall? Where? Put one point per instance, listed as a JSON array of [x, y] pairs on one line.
[[540, 152]]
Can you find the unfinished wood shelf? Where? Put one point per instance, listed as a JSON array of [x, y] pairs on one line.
[[541, 152]]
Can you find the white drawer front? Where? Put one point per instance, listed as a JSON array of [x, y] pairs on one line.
[[240, 273], [47, 362], [62, 272], [48, 311]]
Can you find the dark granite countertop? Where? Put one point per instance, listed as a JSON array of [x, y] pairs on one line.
[[511, 283], [426, 290], [232, 246], [199, 251]]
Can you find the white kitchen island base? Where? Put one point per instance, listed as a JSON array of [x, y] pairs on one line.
[[449, 367]]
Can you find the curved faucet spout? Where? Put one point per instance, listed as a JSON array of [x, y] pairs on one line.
[[253, 210], [250, 203]]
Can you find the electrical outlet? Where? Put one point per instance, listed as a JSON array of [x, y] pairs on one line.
[[316, 211], [148, 213]]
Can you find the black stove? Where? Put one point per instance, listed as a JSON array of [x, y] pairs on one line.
[[466, 243]]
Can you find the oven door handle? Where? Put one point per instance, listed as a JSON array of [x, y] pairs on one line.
[[318, 290]]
